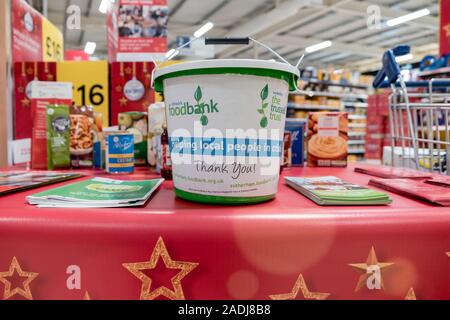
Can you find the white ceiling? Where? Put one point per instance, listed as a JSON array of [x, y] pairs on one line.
[[288, 26]]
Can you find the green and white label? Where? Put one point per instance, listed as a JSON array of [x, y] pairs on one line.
[[226, 133]]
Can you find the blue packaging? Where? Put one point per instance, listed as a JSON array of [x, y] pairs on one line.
[[119, 153], [296, 127], [98, 156]]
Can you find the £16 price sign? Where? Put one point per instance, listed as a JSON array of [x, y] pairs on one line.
[[90, 84], [52, 42]]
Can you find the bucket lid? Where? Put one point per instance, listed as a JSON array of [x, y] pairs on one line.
[[262, 68]]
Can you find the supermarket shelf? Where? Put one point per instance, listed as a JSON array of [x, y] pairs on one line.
[[357, 117], [356, 151], [335, 84], [429, 73], [336, 95], [355, 104], [356, 134], [312, 107], [353, 142], [356, 125]]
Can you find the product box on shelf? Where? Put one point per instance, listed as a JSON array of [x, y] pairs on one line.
[[58, 136], [156, 124], [137, 124], [82, 133], [44, 94], [130, 88], [98, 153], [327, 139], [24, 74], [295, 153]]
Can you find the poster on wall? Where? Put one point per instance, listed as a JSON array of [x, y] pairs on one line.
[[130, 88], [444, 35], [137, 30], [26, 35], [34, 38]]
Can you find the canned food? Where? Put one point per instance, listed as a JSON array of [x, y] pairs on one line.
[[119, 152]]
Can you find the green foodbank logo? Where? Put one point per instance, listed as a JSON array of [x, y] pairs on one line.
[[264, 105], [199, 108]]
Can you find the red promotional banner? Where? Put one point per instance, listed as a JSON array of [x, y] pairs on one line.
[[24, 74], [137, 29], [26, 32], [445, 27], [130, 87]]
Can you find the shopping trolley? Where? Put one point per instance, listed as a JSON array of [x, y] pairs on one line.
[[418, 118]]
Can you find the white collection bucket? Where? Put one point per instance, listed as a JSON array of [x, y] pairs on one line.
[[225, 121]]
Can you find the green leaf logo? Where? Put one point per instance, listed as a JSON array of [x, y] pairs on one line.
[[263, 123], [204, 120], [265, 92], [198, 94]]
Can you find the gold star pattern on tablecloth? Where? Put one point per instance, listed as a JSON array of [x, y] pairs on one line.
[[300, 285], [447, 30], [411, 295], [123, 101], [86, 296], [160, 251], [25, 102], [25, 291], [362, 268]]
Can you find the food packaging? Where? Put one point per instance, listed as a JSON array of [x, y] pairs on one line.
[[137, 124], [296, 151], [43, 94], [81, 136], [58, 136], [327, 139], [156, 121]]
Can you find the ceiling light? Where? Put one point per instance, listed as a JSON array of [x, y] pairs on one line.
[[203, 29], [103, 8], [172, 53], [319, 46], [403, 58], [408, 17], [90, 47]]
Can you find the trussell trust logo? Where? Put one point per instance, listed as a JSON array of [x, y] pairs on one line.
[[270, 109], [199, 107]]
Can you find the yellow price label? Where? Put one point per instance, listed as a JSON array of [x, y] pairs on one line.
[[52, 42], [90, 84]]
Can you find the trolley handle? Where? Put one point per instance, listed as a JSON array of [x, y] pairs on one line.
[[390, 67], [226, 41]]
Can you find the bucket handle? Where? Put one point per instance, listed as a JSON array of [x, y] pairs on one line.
[[235, 41]]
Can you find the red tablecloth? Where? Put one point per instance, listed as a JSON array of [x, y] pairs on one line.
[[244, 252]]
